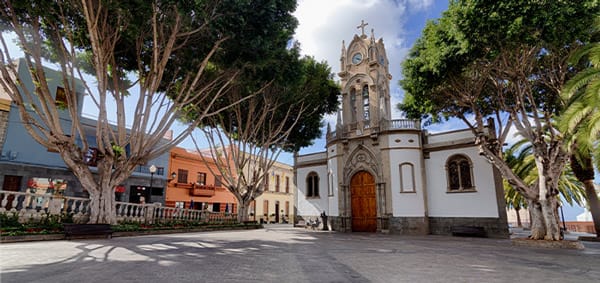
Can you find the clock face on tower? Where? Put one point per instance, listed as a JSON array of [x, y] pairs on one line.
[[356, 58]]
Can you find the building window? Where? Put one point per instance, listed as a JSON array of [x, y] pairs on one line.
[[277, 183], [266, 182], [312, 185], [179, 204], [459, 171], [182, 176], [201, 178], [365, 96], [265, 208], [92, 156], [287, 208], [407, 178], [157, 191], [61, 98], [353, 104], [287, 185], [218, 182]]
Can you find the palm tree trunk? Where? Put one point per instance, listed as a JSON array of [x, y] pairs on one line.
[[584, 171], [519, 224], [594, 203]]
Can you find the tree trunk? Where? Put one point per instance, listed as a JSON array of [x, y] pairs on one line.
[[550, 212], [592, 198], [584, 171], [102, 206], [519, 224], [242, 211], [544, 223], [538, 229]]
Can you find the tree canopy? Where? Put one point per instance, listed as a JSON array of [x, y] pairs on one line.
[[183, 55]]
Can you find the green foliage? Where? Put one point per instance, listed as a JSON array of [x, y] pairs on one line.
[[292, 82], [10, 220], [581, 119], [472, 32], [519, 157], [48, 224]]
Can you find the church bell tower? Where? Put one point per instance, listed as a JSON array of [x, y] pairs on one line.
[[365, 81]]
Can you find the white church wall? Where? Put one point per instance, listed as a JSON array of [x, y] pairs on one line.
[[312, 206], [404, 140], [333, 183], [406, 203], [441, 203]]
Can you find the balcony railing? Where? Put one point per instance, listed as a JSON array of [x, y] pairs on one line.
[[346, 130], [34, 207]]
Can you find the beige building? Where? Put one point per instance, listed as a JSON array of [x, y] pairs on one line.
[[276, 204]]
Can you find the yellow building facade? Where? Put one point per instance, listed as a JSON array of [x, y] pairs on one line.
[[276, 204]]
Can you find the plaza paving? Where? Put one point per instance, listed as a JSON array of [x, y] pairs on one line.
[[281, 253]]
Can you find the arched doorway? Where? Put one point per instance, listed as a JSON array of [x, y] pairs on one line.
[[364, 205]]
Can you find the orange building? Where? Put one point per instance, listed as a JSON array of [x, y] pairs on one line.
[[192, 185]]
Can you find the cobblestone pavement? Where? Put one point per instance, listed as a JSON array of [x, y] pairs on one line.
[[281, 253]]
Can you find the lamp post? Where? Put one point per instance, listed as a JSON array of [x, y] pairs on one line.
[[152, 170]]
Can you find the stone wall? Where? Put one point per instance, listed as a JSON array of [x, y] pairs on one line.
[[494, 227], [409, 225]]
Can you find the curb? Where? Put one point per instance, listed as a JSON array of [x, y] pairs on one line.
[[563, 244], [58, 237]]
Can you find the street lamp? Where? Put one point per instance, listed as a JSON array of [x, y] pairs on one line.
[[152, 171]]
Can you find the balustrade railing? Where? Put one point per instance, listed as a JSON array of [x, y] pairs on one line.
[[33, 207], [344, 131]]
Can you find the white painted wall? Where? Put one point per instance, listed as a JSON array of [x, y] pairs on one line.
[[406, 204], [404, 140], [312, 206], [481, 203], [333, 184]]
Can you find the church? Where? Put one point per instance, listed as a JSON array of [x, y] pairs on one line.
[[391, 176]]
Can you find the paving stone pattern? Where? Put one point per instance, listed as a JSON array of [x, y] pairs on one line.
[[281, 253]]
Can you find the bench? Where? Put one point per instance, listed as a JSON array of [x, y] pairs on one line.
[[468, 231], [87, 230]]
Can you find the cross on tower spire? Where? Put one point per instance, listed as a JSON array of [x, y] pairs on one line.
[[362, 26]]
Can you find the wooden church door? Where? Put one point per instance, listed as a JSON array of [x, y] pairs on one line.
[[364, 205]]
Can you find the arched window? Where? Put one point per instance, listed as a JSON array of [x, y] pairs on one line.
[[312, 185], [407, 178], [365, 97], [353, 104], [459, 170]]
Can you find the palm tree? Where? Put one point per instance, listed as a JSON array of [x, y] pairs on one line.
[[580, 123]]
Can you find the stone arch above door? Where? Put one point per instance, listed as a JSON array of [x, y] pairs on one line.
[[361, 159]]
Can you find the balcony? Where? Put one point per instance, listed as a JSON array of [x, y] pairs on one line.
[[202, 190]]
